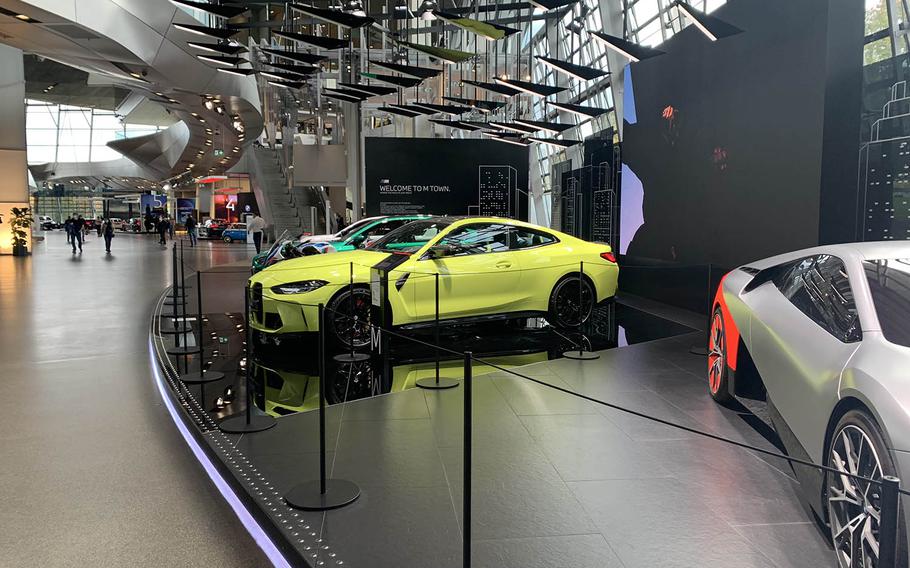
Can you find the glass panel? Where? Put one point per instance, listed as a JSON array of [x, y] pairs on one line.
[[876, 16], [889, 282], [41, 154], [877, 51]]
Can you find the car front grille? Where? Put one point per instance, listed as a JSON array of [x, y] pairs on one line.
[[256, 307]]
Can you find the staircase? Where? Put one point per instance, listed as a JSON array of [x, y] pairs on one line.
[[282, 212]]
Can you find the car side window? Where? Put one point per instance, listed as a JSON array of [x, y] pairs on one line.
[[383, 228], [819, 287], [477, 238], [523, 237]]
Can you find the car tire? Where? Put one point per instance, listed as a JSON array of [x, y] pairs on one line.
[[872, 460], [337, 322], [718, 370], [563, 307], [227, 239]]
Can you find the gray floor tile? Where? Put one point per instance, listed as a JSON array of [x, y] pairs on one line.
[[577, 551], [791, 545]]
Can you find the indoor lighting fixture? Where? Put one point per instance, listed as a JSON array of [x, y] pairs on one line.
[[561, 144], [220, 33], [294, 56], [316, 41], [552, 4], [222, 60], [481, 105], [399, 111], [342, 97], [453, 110], [214, 9], [455, 124], [580, 72], [632, 51], [712, 27], [236, 71], [583, 111], [405, 82], [427, 9], [498, 88], [441, 53], [529, 88], [488, 30], [371, 90], [336, 17], [416, 72], [552, 127], [222, 48], [294, 68], [514, 127], [287, 84]]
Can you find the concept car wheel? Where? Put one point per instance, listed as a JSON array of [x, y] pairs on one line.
[[568, 307], [718, 373], [854, 505], [348, 317]]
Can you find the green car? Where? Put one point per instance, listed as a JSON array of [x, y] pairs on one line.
[[356, 235]]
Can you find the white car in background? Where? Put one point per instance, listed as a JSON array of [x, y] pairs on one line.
[[340, 235], [46, 223]]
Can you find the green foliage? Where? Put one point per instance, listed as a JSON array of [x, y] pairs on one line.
[[20, 224], [876, 20]]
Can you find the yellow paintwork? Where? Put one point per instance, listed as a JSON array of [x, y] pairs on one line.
[[471, 285], [299, 392]]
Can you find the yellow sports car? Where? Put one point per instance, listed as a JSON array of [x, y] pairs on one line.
[[487, 267]]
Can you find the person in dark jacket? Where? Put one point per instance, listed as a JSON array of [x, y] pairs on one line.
[[191, 229], [68, 228], [78, 228], [107, 231], [163, 226]]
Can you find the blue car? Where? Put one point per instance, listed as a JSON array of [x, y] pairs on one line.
[[234, 232]]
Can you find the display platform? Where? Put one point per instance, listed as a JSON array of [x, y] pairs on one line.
[[557, 480]]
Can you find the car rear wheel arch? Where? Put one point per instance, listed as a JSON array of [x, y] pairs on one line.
[[586, 278]]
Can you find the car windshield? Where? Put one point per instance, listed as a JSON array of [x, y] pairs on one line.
[[411, 237], [349, 230], [889, 282]]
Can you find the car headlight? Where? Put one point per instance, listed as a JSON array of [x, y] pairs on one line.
[[298, 287]]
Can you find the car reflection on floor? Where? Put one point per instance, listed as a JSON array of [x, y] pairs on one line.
[[286, 375]]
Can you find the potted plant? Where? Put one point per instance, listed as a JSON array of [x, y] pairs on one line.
[[21, 225]]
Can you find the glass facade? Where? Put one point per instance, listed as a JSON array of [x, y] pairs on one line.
[[62, 133]]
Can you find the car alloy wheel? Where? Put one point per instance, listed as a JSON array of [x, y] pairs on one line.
[[567, 309], [854, 505], [227, 239], [717, 359], [350, 319]]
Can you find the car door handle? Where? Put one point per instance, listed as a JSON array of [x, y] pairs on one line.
[[503, 264]]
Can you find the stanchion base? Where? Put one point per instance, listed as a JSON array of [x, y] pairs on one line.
[[182, 350], [307, 495], [430, 383], [207, 377], [237, 424], [351, 358], [698, 351], [581, 355]]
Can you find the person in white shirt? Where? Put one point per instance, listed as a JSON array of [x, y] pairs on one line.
[[255, 225]]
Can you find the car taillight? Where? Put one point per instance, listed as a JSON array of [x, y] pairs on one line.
[[608, 256]]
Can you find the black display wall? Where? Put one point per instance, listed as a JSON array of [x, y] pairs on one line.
[[746, 147], [446, 177]]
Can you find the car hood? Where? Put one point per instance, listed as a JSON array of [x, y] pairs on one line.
[[317, 238], [331, 267]]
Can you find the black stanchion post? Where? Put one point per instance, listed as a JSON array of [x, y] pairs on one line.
[[186, 348], [888, 533], [466, 472], [203, 376], [581, 354], [322, 494], [177, 326], [437, 383], [702, 350], [247, 423], [351, 357]]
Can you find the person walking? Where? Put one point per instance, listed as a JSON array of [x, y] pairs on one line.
[[98, 226], [162, 230], [255, 225], [191, 229], [107, 231], [78, 228], [68, 228]]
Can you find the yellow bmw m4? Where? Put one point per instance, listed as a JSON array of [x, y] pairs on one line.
[[488, 267]]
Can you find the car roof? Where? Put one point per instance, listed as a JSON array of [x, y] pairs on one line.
[[847, 251]]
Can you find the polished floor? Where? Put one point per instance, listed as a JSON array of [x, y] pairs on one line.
[[92, 470]]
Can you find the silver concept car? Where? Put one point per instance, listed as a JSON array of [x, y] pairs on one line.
[[824, 335]]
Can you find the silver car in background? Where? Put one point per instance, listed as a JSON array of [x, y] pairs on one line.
[[824, 335]]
